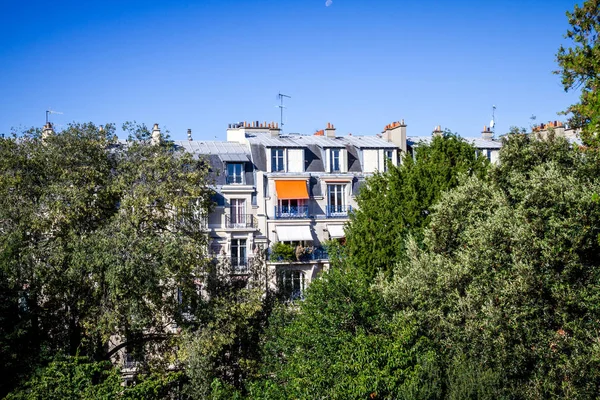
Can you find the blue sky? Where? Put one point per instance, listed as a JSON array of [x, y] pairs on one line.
[[357, 64]]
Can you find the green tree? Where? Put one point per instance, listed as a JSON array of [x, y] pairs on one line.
[[580, 68], [96, 239], [507, 284], [340, 343], [398, 203], [80, 378]]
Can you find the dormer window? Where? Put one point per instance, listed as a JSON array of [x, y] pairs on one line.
[[235, 173], [277, 164], [335, 160]]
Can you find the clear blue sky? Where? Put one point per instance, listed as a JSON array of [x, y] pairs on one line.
[[358, 64]]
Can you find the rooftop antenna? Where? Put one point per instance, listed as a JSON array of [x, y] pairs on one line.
[[50, 111], [493, 121], [281, 107]]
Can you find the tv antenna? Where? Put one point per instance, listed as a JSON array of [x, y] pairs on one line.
[[50, 111], [493, 121], [281, 107]]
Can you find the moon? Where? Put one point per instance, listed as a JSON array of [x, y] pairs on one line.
[[328, 3]]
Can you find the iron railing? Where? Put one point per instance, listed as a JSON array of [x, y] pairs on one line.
[[337, 211], [310, 254], [241, 221], [235, 179], [286, 212]]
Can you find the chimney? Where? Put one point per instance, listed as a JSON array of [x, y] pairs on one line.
[[330, 131], [155, 135], [47, 131], [189, 134], [437, 131], [396, 133], [559, 128], [487, 133], [274, 129]]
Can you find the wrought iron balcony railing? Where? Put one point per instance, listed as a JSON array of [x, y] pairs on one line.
[[241, 221], [235, 179], [310, 254], [286, 212], [337, 211]]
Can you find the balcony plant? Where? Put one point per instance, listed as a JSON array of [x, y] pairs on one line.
[[282, 252]]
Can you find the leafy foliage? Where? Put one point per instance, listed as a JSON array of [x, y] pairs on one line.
[[507, 286], [79, 378], [397, 203], [339, 343], [580, 68], [96, 238]]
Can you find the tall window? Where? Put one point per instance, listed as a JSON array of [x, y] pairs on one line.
[[277, 160], [237, 212], [235, 173], [335, 199], [292, 208], [335, 160], [389, 156], [239, 259], [291, 284]]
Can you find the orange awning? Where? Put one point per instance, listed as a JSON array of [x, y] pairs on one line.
[[287, 190]]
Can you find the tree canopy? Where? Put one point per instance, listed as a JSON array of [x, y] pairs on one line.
[[398, 202], [580, 68], [507, 282], [96, 239]]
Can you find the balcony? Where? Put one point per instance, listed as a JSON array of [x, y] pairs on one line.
[[313, 254], [337, 211], [241, 221], [286, 212]]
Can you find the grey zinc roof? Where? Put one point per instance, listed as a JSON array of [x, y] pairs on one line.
[[476, 142], [212, 147], [368, 142], [294, 140]]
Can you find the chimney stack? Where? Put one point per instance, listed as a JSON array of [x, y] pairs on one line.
[[47, 131], [396, 133], [487, 133], [155, 135], [330, 131], [274, 129], [437, 131], [189, 134]]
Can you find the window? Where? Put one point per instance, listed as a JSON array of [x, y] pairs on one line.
[[239, 259], [389, 155], [291, 284], [235, 173], [334, 165], [277, 160], [292, 208], [237, 213], [336, 200]]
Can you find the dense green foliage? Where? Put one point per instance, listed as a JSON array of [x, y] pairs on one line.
[[580, 68], [397, 203], [96, 238], [339, 343], [508, 283], [79, 378]]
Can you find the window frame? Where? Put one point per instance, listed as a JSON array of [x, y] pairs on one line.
[[277, 159], [239, 176]]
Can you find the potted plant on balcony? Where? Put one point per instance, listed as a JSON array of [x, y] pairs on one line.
[[282, 252]]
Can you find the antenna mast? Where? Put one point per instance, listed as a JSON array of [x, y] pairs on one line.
[[50, 111], [493, 121], [281, 107]]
